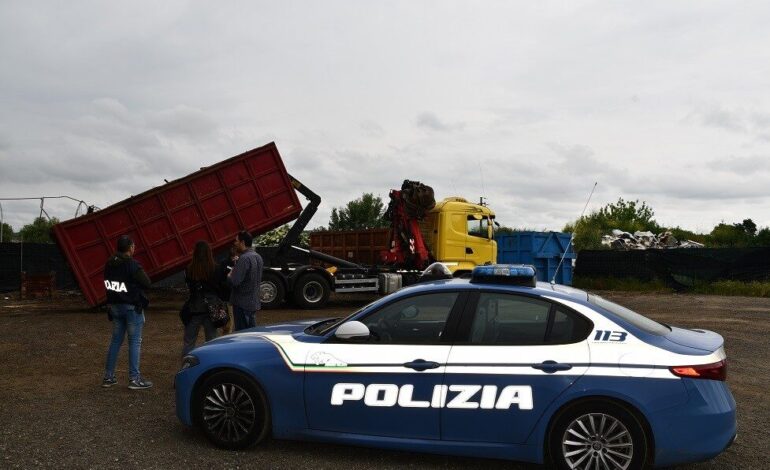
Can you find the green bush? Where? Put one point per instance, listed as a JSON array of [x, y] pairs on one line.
[[629, 216]]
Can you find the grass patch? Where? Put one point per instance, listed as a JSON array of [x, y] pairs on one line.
[[623, 284], [746, 289], [727, 288]]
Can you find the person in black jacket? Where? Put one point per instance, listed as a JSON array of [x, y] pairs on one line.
[[224, 287], [124, 280], [204, 280]]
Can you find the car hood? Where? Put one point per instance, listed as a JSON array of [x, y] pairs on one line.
[[699, 339], [282, 328], [252, 336]]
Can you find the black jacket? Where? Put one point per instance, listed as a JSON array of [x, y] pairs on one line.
[[203, 291], [224, 268], [124, 280]]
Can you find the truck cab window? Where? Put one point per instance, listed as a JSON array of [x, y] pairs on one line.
[[478, 227]]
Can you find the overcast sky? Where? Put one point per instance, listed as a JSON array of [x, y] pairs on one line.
[[525, 103]]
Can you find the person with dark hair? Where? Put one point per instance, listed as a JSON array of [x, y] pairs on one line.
[[245, 278], [124, 280], [203, 281]]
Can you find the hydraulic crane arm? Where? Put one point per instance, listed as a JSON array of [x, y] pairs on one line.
[[292, 237]]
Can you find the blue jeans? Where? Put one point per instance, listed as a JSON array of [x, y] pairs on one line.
[[125, 319], [243, 318]]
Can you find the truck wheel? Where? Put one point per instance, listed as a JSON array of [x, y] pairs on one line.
[[271, 291], [311, 291]]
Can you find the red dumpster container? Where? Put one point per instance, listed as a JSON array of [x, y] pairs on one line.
[[251, 191], [358, 246]]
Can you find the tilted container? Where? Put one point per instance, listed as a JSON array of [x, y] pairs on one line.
[[251, 191]]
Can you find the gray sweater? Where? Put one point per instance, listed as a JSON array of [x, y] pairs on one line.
[[245, 278]]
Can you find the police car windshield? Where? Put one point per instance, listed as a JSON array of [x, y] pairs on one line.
[[316, 327], [639, 321], [320, 329]]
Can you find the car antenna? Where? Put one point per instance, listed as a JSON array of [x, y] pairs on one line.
[[572, 236]]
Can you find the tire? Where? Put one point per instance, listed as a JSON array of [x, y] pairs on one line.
[[232, 411], [579, 437], [311, 291], [271, 291]]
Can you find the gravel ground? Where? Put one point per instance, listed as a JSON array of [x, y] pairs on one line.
[[54, 414]]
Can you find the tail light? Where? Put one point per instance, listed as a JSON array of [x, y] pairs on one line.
[[714, 371]]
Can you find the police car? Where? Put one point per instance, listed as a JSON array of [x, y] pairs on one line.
[[492, 366]]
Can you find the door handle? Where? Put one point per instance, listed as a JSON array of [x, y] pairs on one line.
[[549, 367], [421, 365], [468, 250]]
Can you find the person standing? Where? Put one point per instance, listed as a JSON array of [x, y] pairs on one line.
[[224, 268], [125, 280], [202, 278], [244, 279]]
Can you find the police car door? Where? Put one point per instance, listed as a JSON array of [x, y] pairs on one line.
[[384, 385], [514, 355]]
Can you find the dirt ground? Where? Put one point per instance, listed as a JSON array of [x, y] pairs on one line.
[[53, 412]]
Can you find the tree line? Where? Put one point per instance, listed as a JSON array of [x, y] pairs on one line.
[[368, 212], [633, 216], [39, 231]]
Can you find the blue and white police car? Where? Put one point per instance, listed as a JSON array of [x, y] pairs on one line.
[[492, 366]]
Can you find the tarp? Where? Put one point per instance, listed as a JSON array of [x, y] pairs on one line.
[[34, 258], [677, 267]]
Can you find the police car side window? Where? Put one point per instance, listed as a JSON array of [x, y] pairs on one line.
[[414, 320], [568, 327], [504, 319]]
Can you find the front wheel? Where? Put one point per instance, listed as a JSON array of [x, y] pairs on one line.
[[232, 411], [598, 435], [311, 291]]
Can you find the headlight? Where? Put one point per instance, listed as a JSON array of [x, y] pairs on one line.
[[189, 361]]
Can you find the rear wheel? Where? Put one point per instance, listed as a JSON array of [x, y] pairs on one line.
[[232, 411], [598, 435], [311, 291], [271, 291]]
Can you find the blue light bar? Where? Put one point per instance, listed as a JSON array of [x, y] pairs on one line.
[[517, 274]]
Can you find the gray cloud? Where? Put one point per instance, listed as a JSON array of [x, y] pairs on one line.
[[431, 122], [724, 119], [743, 166], [742, 121], [100, 101], [372, 129]]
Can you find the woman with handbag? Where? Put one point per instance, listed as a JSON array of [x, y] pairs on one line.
[[202, 277]]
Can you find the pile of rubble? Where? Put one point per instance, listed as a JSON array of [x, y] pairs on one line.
[[620, 240]]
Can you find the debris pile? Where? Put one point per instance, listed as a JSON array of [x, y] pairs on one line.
[[620, 240]]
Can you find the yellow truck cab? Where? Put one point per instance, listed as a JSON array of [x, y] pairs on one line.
[[460, 234]]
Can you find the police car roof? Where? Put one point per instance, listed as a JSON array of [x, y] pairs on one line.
[[543, 288]]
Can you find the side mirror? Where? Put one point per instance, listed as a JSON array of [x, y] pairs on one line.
[[352, 329]]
